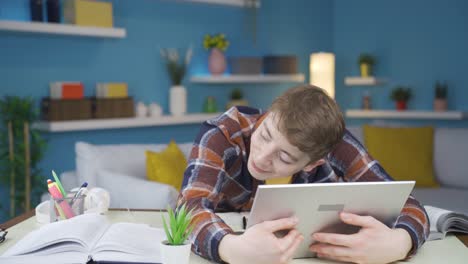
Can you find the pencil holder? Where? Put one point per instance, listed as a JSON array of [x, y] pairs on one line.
[[66, 208]]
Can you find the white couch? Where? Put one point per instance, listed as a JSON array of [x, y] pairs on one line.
[[121, 169], [450, 160]]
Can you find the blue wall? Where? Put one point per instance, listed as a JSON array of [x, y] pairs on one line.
[[416, 43], [29, 61]]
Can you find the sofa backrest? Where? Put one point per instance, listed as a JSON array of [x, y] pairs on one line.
[[450, 145], [128, 159]]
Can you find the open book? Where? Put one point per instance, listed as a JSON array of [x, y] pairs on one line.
[[88, 237], [444, 221]]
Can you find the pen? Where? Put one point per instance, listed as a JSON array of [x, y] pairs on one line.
[[78, 193], [244, 222]]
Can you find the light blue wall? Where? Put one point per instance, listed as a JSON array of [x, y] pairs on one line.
[[29, 62], [416, 43]]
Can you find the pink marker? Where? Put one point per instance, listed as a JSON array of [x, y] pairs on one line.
[[56, 194]]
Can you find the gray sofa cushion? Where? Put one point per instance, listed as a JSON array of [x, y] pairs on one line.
[[446, 198], [450, 158]]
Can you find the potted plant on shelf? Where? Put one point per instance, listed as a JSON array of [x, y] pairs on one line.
[[366, 62], [440, 100], [401, 95], [236, 99], [176, 249], [217, 44], [176, 70]]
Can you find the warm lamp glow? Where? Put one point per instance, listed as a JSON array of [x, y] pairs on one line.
[[322, 71]]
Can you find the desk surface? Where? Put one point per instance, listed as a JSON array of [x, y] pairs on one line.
[[450, 250]]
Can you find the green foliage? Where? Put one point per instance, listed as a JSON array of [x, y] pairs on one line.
[[401, 93], [176, 68], [19, 110], [236, 94], [366, 58], [179, 225], [218, 41], [441, 90]]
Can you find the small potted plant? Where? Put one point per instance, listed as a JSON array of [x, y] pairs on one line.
[[236, 98], [440, 100], [366, 62], [217, 44], [176, 249], [401, 95]]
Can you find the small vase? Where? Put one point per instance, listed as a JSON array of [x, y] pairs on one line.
[[366, 70], [440, 105], [177, 100], [401, 105], [171, 254], [216, 62]]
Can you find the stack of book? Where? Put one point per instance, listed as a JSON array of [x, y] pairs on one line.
[[112, 101], [67, 102]]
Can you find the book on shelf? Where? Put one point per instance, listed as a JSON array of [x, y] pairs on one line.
[[111, 90], [66, 90], [88, 238], [444, 221]]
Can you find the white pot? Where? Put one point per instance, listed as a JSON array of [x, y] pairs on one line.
[[177, 100], [175, 254]]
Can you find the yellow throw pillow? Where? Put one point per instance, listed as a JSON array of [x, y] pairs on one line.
[[167, 166], [405, 153]]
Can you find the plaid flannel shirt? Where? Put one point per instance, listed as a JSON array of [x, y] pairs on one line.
[[217, 178]]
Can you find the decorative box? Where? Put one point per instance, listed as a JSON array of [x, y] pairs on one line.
[[280, 64], [88, 13], [113, 107], [246, 65], [62, 110]]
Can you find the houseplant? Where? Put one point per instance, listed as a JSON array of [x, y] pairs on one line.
[[236, 98], [21, 149], [401, 95], [176, 68], [440, 100], [366, 62], [217, 45], [176, 249]]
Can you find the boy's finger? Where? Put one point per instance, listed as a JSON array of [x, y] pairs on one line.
[[292, 249], [280, 224], [357, 220]]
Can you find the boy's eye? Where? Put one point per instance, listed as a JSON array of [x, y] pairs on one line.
[[284, 158]]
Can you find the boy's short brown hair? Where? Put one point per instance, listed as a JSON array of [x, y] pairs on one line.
[[309, 119]]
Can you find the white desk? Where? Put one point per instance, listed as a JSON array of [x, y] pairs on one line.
[[450, 250]]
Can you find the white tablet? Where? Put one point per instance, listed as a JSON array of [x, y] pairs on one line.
[[317, 205]]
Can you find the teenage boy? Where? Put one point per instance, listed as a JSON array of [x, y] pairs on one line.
[[303, 136]]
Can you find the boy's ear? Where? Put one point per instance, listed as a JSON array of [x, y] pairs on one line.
[[312, 165]]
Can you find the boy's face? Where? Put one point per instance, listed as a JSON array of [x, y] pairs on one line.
[[271, 154]]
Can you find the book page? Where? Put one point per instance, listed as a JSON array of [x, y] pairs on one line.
[[129, 242], [434, 214], [76, 234]]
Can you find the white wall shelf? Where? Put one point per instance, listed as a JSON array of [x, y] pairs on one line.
[[408, 114], [238, 3], [364, 81], [115, 123], [61, 29], [261, 78]]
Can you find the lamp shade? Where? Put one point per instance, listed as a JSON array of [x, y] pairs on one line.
[[322, 71]]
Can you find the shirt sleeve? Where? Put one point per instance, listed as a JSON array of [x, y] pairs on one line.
[[351, 161], [201, 190]]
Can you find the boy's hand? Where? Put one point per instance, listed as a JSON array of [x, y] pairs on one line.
[[260, 245], [374, 243]]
